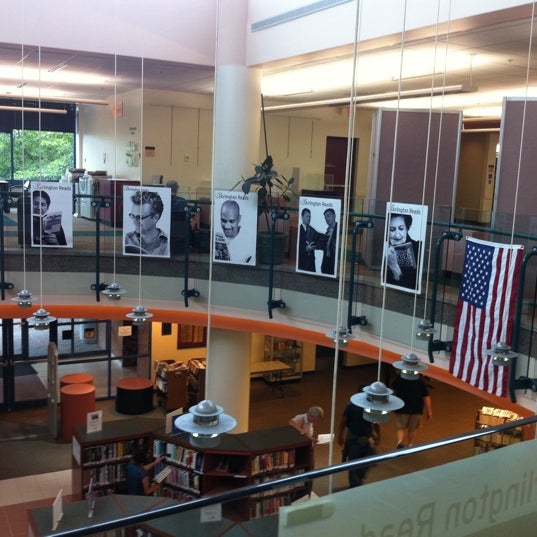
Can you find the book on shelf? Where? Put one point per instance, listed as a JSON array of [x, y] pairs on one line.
[[163, 474]]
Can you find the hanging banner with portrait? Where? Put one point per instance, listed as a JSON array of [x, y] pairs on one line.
[[235, 227], [146, 221], [318, 236], [52, 214], [404, 246]]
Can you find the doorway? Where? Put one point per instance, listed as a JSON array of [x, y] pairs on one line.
[[84, 346], [335, 164]]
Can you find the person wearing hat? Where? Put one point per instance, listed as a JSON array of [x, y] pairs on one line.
[[357, 438], [138, 481]]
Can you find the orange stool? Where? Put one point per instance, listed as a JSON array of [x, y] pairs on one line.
[[77, 401], [76, 378], [134, 395]]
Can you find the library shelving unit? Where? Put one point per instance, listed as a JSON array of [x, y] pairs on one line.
[[288, 351], [238, 460], [171, 380], [196, 381], [103, 455], [489, 416], [235, 461]]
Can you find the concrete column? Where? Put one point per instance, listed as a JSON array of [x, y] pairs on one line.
[[237, 101], [236, 135], [228, 374]]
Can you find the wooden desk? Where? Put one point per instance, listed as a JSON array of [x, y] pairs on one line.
[[274, 368]]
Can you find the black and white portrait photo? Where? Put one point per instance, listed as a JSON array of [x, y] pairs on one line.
[[404, 234], [318, 236], [146, 221], [235, 220], [52, 219]]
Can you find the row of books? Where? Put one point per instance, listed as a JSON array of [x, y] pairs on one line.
[[112, 451], [277, 460], [184, 479], [196, 364], [268, 506], [280, 490], [175, 494], [178, 454], [105, 475]]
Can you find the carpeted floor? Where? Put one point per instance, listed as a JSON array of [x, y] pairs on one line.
[[20, 370], [24, 432]]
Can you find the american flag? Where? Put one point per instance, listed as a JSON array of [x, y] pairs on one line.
[[485, 311]]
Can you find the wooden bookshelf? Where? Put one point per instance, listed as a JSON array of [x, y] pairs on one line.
[[103, 455], [238, 460]]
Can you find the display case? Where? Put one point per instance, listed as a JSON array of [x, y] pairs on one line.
[[288, 351], [489, 416]]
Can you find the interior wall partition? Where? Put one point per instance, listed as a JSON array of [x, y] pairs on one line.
[[413, 159]]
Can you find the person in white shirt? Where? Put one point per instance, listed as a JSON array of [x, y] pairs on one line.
[[304, 423]]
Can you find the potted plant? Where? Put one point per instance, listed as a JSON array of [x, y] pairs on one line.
[[274, 191]]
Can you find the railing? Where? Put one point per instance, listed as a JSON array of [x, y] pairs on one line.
[[244, 492]]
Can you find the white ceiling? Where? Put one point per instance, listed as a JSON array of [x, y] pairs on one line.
[[492, 58]]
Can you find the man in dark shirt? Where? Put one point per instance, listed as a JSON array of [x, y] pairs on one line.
[[360, 441], [415, 395]]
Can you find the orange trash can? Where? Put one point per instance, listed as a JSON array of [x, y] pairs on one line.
[[77, 401]]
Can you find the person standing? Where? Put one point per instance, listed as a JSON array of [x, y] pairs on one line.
[[304, 423], [357, 437], [415, 395], [138, 482], [306, 242], [328, 263]]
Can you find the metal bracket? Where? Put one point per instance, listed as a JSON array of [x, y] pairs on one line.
[[357, 229], [186, 292], [361, 320], [448, 234], [98, 204], [281, 214]]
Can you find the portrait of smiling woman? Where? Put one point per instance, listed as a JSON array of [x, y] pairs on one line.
[[403, 253]]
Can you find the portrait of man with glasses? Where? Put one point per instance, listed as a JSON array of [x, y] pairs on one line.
[[144, 214]]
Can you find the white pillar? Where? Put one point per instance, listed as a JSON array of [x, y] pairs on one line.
[[237, 99], [236, 130], [228, 374]]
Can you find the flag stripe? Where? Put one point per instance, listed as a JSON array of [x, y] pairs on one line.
[[485, 311]]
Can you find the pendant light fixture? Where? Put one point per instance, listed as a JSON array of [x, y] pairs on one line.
[[410, 366], [340, 336], [205, 422], [41, 319], [377, 401], [24, 298], [501, 353], [425, 330], [114, 291], [140, 315]]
